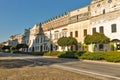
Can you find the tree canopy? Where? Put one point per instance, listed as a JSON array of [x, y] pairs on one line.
[[21, 46], [6, 47], [66, 41], [96, 38], [63, 41], [88, 39], [71, 41]]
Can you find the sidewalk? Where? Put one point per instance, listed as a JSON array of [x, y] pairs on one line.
[[91, 61]]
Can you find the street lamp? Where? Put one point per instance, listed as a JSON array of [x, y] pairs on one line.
[[50, 46]]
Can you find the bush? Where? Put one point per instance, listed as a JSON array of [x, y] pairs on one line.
[[69, 55], [112, 56], [16, 51], [80, 53], [54, 53], [37, 53], [93, 56], [108, 56]]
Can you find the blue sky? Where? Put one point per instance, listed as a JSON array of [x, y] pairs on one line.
[[17, 15]]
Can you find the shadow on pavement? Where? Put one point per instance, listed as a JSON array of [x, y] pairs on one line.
[[16, 61]]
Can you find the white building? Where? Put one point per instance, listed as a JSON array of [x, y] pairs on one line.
[[100, 16], [105, 18]]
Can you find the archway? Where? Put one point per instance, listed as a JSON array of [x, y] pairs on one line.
[[116, 44]]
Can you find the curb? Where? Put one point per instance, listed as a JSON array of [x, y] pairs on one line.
[[101, 62]]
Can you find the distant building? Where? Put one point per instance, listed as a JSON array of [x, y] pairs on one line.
[[4, 43], [15, 39]]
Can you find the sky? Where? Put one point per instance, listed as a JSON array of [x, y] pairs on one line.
[[18, 15]]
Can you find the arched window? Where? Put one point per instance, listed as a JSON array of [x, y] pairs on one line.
[[103, 11]]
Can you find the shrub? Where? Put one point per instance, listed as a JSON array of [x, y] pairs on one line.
[[68, 55], [54, 53], [108, 56], [93, 56], [112, 56], [80, 53], [37, 53]]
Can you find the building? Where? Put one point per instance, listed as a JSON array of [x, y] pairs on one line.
[[105, 17], [54, 29], [101, 16], [79, 25], [15, 39], [26, 38]]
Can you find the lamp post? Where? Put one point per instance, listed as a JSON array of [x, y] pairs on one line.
[[50, 47]]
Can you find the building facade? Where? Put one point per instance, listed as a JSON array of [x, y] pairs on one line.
[[101, 16], [105, 17], [15, 39]]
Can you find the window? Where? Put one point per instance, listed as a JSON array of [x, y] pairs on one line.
[[103, 11], [101, 47], [85, 32], [76, 33], [56, 35], [109, 1], [101, 29], [71, 34], [113, 27], [94, 30], [118, 46], [41, 40], [98, 5], [36, 40], [64, 33]]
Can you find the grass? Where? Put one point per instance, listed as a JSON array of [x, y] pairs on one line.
[[14, 69]]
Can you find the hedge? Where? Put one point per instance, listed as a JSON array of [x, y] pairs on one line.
[[93, 56], [108, 56], [53, 53], [112, 56], [72, 54]]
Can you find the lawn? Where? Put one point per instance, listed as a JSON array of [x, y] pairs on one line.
[[15, 69]]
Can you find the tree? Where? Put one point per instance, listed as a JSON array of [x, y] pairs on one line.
[[100, 38], [96, 38], [63, 42], [6, 48], [1, 46], [19, 46], [66, 42], [88, 39], [72, 41], [12, 49]]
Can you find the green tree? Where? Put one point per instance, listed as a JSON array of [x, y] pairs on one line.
[[63, 42], [72, 41], [6, 48], [1, 47], [88, 39], [96, 38], [19, 46], [100, 38], [66, 42], [12, 49]]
